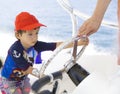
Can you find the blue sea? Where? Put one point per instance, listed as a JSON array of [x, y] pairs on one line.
[[58, 21]]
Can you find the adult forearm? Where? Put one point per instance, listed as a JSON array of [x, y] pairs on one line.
[[100, 9]]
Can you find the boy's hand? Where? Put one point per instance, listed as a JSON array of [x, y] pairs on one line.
[[18, 73], [33, 71], [36, 72], [83, 41]]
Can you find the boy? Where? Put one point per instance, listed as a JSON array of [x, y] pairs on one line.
[[23, 53]]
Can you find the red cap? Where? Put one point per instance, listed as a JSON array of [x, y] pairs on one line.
[[26, 21]]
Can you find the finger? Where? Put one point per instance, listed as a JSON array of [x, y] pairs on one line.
[[84, 32], [90, 33], [82, 29]]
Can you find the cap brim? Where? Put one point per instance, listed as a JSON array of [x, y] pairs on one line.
[[30, 27]]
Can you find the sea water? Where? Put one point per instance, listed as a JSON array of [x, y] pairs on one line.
[[58, 22]]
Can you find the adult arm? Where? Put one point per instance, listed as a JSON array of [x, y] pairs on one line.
[[92, 24]]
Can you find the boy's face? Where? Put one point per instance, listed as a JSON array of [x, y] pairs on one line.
[[29, 38]]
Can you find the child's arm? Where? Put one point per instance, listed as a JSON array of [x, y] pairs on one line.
[[32, 71], [80, 42]]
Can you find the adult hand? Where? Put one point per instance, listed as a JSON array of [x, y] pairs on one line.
[[83, 41], [89, 27]]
